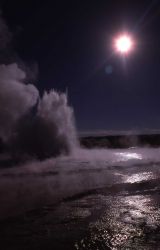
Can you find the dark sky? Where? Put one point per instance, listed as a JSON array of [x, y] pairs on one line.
[[71, 41]]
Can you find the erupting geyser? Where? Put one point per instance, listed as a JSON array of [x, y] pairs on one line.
[[40, 127]]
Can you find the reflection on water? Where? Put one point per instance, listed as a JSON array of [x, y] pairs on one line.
[[129, 156], [91, 222], [142, 211], [130, 222], [144, 176], [111, 231], [140, 206]]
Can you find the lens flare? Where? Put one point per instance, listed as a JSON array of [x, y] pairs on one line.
[[124, 44]]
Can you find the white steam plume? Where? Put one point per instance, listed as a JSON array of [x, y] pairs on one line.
[[16, 98], [54, 110], [47, 131]]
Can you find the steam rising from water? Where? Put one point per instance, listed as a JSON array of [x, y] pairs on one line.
[[32, 125]]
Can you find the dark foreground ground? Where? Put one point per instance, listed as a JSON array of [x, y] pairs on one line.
[[117, 206], [102, 219]]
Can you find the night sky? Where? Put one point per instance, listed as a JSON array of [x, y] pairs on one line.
[[71, 44]]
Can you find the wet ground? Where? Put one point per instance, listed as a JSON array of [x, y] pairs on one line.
[[116, 207]]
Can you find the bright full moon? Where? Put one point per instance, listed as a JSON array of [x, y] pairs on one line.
[[123, 44]]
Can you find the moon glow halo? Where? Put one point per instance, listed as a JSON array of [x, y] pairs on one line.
[[123, 44]]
